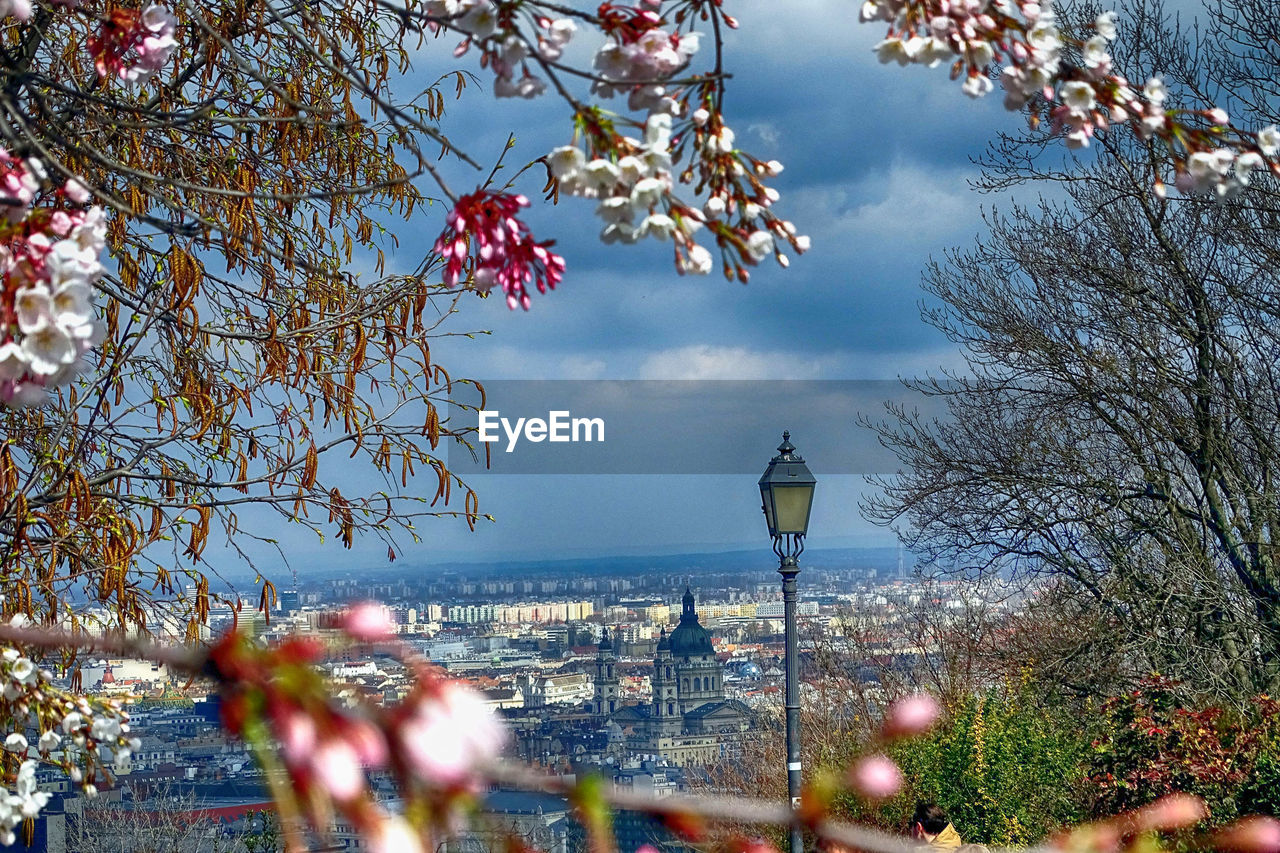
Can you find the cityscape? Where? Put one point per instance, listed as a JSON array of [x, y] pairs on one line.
[[385, 387], [648, 679]]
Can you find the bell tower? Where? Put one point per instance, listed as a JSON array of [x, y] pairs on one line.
[[605, 700]]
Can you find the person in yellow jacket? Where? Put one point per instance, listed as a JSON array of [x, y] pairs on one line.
[[932, 828]]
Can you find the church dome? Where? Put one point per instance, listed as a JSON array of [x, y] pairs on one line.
[[690, 638]]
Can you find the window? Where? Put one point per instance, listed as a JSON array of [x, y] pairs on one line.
[[697, 684]]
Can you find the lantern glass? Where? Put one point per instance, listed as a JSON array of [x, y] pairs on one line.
[[767, 499], [791, 505], [786, 490]]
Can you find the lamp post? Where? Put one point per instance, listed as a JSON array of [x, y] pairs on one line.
[[786, 489]]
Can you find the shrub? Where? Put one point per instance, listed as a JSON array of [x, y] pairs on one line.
[[1152, 744], [1005, 766]]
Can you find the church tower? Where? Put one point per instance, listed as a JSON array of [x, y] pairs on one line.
[[698, 674], [666, 705], [605, 701]]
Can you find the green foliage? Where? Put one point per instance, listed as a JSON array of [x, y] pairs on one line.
[[262, 832], [1012, 766], [1005, 766], [1152, 744]]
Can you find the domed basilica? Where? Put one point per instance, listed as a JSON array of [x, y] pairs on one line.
[[688, 716]]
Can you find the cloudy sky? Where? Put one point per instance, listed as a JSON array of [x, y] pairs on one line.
[[877, 163]]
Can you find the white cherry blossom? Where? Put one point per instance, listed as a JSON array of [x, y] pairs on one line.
[[1269, 140], [48, 349], [698, 261], [759, 245], [1105, 25]]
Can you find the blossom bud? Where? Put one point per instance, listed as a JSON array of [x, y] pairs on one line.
[[368, 742], [76, 191], [395, 835], [368, 623], [1255, 834], [1174, 811], [337, 769], [875, 777], [911, 716], [297, 734]]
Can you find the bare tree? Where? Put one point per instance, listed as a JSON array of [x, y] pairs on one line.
[[164, 822], [1116, 428]]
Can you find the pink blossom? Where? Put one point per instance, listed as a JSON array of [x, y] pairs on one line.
[[449, 734], [76, 191], [50, 263], [297, 733], [368, 623], [337, 770], [1255, 834], [876, 777], [133, 45], [20, 9], [1174, 811], [911, 716], [395, 835], [368, 742], [640, 52], [483, 229], [60, 223]]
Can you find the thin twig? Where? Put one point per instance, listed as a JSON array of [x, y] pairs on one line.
[[193, 660], [742, 810]]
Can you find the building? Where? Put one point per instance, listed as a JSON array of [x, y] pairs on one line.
[[688, 720], [605, 699], [567, 689]]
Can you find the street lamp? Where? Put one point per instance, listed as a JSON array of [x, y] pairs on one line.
[[786, 489]]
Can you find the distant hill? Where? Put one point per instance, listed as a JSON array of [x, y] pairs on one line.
[[693, 563]]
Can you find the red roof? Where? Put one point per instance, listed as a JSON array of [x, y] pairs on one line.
[[224, 813]]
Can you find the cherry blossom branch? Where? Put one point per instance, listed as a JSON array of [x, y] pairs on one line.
[[1080, 94], [190, 660], [734, 810]]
